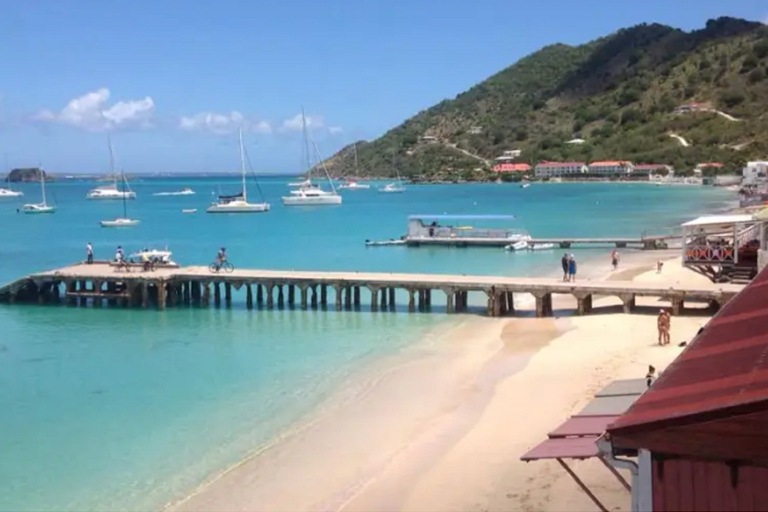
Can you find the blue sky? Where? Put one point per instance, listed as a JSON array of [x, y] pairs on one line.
[[171, 79]]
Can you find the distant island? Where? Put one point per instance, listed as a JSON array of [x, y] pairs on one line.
[[649, 94], [27, 174]]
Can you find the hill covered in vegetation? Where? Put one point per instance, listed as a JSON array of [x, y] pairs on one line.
[[27, 174], [619, 94]]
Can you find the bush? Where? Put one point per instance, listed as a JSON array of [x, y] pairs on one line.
[[760, 50], [755, 76], [731, 98]]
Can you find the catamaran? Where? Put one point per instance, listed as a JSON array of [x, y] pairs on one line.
[[396, 187], [309, 194], [112, 191], [7, 192], [43, 206], [238, 203]]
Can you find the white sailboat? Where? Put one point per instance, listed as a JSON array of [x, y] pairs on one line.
[[309, 194], [350, 184], [238, 203], [8, 191], [397, 186], [112, 191], [124, 221], [43, 206]]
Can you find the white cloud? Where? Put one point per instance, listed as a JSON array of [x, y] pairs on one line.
[[221, 124], [333, 130], [91, 112], [294, 123]]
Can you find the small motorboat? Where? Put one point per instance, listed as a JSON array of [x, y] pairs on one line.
[[189, 210], [120, 222], [186, 191], [541, 247], [525, 185], [520, 245], [382, 243]]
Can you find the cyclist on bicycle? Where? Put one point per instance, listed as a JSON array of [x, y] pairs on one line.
[[221, 257]]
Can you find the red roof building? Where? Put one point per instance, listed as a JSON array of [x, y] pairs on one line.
[[511, 168], [705, 419]]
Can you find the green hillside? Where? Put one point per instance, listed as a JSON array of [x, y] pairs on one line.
[[618, 93]]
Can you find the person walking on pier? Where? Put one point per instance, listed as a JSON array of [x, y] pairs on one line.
[[564, 263], [89, 253], [615, 259], [572, 268]]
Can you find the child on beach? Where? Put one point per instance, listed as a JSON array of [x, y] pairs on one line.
[[572, 268], [615, 259], [659, 265]]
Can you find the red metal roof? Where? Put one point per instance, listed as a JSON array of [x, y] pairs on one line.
[[511, 168], [583, 426], [717, 388], [561, 164], [609, 163], [564, 448]]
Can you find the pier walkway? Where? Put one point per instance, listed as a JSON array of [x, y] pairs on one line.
[[646, 243], [197, 286]]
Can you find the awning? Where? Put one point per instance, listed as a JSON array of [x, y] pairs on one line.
[[716, 220]]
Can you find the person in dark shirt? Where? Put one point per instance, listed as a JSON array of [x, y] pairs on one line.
[[564, 263]]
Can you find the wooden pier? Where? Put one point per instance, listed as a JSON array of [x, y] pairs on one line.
[[100, 284], [645, 243]]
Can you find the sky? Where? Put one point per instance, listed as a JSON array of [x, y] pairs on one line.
[[171, 81]]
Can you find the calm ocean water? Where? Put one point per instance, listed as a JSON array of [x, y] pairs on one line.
[[128, 410]]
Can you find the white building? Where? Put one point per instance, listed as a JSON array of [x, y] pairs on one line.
[[611, 168], [559, 169], [476, 130], [755, 172], [509, 156]]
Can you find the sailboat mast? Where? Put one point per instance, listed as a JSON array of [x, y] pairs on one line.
[[42, 183], [306, 143], [111, 160], [125, 205], [354, 146], [242, 162]]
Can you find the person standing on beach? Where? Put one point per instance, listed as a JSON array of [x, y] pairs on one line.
[[663, 325], [89, 253], [667, 327], [572, 268], [615, 259], [564, 262]]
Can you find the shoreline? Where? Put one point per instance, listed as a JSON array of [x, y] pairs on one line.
[[500, 350]]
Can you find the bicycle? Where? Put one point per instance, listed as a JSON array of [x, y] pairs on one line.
[[224, 265]]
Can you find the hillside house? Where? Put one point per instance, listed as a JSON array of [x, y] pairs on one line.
[[610, 168], [559, 169], [429, 139], [690, 107], [508, 156], [755, 172], [512, 168], [476, 130]]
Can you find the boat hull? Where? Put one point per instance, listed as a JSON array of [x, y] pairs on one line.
[[118, 197], [5, 193], [34, 209], [250, 208], [312, 200], [123, 223]]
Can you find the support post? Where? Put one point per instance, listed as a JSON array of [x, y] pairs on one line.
[[337, 292], [384, 299], [323, 295], [216, 295], [71, 288], [206, 294], [173, 294], [449, 296], [428, 297], [392, 299], [280, 297], [259, 295], [97, 299], [543, 304], [83, 288], [411, 300], [584, 304], [348, 297], [303, 290], [161, 295], [314, 297], [228, 294], [511, 302], [248, 296], [144, 295], [357, 297], [291, 296], [628, 300], [270, 295], [374, 299], [677, 306]]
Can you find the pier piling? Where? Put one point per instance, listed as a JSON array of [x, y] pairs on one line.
[[357, 297], [411, 300], [323, 295], [280, 297], [248, 296], [303, 291], [228, 294], [314, 297], [392, 299], [374, 299], [291, 296], [270, 296]]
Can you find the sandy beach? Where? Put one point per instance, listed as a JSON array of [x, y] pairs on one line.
[[442, 425]]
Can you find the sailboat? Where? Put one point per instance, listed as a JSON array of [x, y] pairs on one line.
[[350, 184], [42, 207], [395, 187], [112, 191], [238, 203], [124, 221], [309, 194], [9, 192]]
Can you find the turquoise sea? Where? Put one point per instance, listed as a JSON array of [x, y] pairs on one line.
[[130, 409]]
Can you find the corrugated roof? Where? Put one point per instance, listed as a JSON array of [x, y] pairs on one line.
[[564, 448], [583, 426], [722, 372]]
